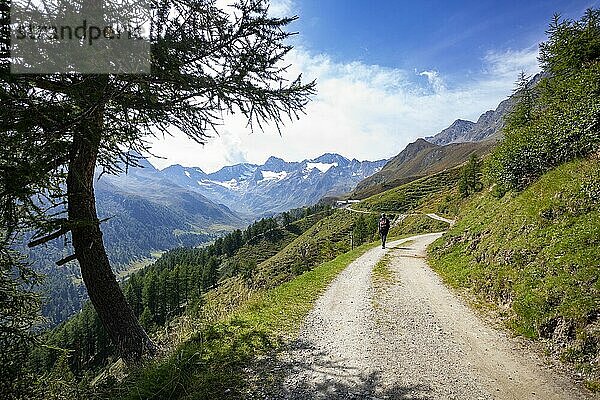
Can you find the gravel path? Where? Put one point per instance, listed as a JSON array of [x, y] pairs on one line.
[[401, 215], [408, 339], [435, 216]]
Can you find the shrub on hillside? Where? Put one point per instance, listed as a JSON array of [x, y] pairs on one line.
[[364, 229], [470, 177]]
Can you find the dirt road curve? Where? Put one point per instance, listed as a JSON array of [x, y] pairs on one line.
[[409, 339], [435, 216], [401, 215]]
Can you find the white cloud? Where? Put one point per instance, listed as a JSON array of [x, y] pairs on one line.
[[281, 8], [504, 64], [363, 111], [434, 79], [277, 8]]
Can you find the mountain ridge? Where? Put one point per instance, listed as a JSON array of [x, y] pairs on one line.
[[277, 185], [489, 124], [418, 159], [447, 149]]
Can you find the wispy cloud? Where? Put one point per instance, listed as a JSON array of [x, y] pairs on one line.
[[281, 8], [363, 111], [504, 64], [434, 79], [277, 8]]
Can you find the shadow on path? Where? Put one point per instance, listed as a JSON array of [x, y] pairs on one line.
[[305, 373]]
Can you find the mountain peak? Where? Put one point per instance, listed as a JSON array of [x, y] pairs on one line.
[[453, 133], [462, 123], [331, 158], [488, 126], [237, 171], [180, 169], [134, 162], [273, 159], [420, 143], [485, 116], [275, 164], [174, 167]]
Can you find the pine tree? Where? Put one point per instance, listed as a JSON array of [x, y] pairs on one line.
[[364, 227], [470, 177], [19, 316], [557, 121], [209, 273], [150, 293], [147, 319]]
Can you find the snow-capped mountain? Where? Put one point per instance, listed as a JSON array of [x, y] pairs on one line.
[[277, 185]]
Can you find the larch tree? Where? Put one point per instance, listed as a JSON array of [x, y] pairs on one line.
[[58, 129], [470, 177]]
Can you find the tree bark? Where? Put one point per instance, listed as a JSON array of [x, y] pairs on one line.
[[117, 317]]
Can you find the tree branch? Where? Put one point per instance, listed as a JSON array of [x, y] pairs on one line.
[[48, 238], [65, 260]]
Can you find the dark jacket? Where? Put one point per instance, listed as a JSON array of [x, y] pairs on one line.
[[384, 225]]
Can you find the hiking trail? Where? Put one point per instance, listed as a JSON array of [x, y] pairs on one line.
[[408, 338]]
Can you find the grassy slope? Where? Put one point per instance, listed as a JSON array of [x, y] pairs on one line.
[[536, 256], [239, 322], [410, 196], [323, 241], [267, 245], [243, 319], [211, 363], [413, 163], [432, 194]]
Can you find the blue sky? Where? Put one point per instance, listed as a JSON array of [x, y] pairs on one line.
[[388, 72], [450, 36]]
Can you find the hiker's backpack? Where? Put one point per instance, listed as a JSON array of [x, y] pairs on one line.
[[383, 224]]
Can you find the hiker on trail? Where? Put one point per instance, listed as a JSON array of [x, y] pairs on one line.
[[384, 227]]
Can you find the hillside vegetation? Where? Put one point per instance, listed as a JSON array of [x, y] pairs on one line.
[[214, 309], [534, 254], [527, 241], [214, 362], [410, 196], [558, 119], [530, 243], [173, 284], [251, 316], [323, 241], [407, 205]]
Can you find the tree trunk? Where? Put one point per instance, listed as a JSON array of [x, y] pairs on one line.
[[117, 317]]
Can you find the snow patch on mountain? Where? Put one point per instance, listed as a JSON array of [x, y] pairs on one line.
[[276, 185], [323, 167], [231, 184], [273, 176]]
